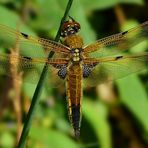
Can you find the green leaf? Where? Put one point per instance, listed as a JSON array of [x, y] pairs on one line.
[[139, 2], [96, 114], [78, 13], [51, 10], [51, 138], [6, 1], [29, 89], [98, 4], [6, 140], [11, 20], [134, 96]]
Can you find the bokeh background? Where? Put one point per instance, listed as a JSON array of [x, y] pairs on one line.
[[115, 114]]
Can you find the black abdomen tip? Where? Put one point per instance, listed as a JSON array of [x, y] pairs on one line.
[[77, 133]]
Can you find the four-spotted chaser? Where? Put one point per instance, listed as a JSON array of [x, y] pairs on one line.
[[74, 62]]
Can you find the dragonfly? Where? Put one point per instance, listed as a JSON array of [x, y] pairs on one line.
[[73, 63]]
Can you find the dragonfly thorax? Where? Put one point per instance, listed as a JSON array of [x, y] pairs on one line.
[[76, 55], [73, 41]]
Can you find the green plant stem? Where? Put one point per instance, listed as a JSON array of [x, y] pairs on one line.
[[36, 96]]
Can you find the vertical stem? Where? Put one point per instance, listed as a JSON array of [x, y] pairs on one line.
[[16, 85], [40, 84], [120, 15]]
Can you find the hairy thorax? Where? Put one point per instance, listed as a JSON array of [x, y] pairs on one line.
[[74, 41]]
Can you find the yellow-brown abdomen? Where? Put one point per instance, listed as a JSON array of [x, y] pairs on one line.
[[74, 96]]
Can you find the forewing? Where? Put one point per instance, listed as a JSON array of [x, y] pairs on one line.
[[33, 53], [28, 45], [121, 41], [31, 68], [113, 68]]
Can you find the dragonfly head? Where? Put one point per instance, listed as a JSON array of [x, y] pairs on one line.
[[70, 27]]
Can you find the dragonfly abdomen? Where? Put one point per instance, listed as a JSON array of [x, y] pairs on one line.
[[74, 96]]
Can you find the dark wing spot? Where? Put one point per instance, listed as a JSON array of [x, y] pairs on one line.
[[125, 32], [28, 58], [118, 57], [24, 35], [25, 63]]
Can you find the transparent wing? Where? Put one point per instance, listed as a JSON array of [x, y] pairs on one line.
[[122, 41], [108, 69], [28, 45], [33, 53], [31, 68]]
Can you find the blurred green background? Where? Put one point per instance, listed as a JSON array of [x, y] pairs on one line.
[[115, 115]]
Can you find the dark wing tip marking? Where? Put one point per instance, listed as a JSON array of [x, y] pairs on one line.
[[125, 32], [118, 57], [24, 35], [27, 58]]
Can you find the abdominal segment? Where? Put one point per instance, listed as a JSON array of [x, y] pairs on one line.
[[74, 96]]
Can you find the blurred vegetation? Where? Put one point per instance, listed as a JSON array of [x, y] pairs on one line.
[[116, 118]]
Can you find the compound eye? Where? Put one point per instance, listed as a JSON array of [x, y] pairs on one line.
[[77, 26]]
